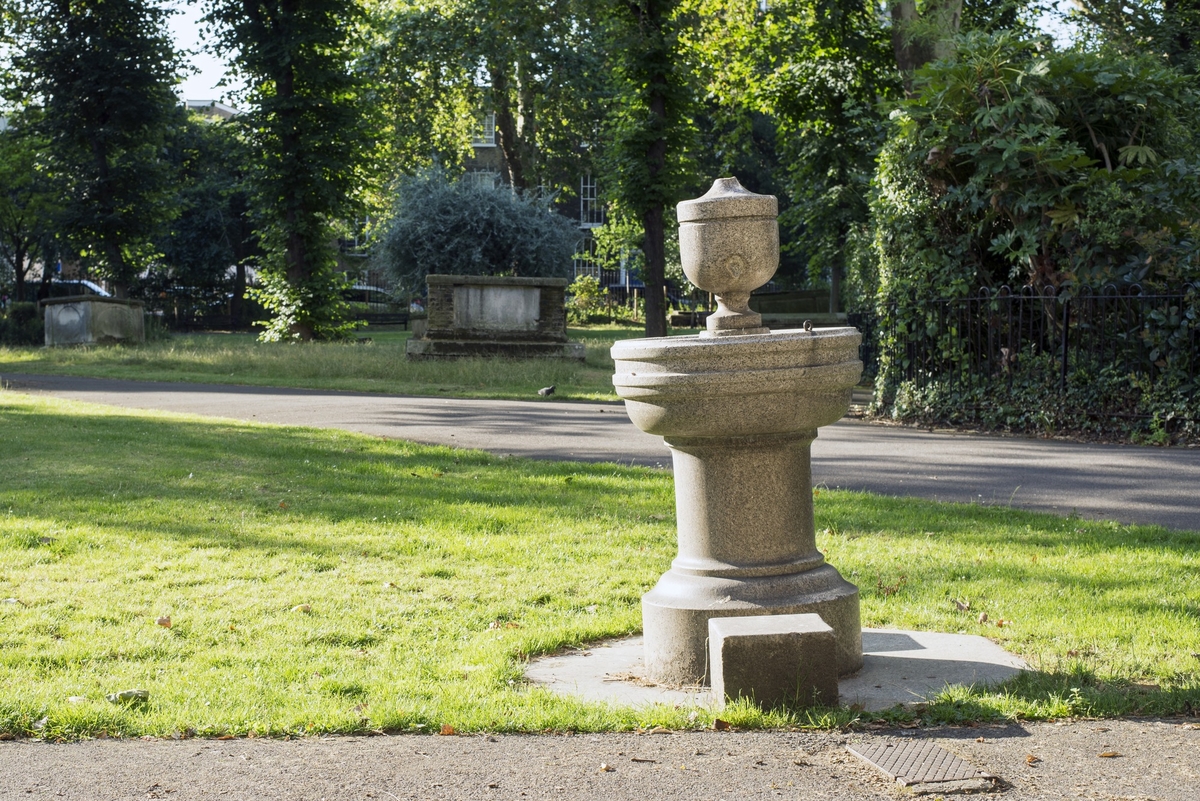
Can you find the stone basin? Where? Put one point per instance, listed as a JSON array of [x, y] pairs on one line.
[[783, 381]]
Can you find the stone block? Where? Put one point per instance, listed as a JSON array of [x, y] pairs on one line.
[[773, 660], [90, 319], [494, 316]]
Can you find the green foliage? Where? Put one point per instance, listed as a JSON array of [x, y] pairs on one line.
[[470, 228], [21, 324], [311, 308], [586, 300], [29, 206], [94, 79], [1018, 165], [534, 64], [1015, 165], [650, 127], [309, 138]]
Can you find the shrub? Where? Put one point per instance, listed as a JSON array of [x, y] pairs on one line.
[[22, 324], [586, 301], [466, 228], [1016, 165]]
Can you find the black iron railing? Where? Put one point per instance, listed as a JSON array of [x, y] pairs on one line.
[[994, 336]]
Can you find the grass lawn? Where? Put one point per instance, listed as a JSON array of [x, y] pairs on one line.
[[323, 581], [375, 366]]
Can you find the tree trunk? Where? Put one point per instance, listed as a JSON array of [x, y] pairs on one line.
[[656, 163], [237, 304], [506, 129], [20, 255], [919, 38], [117, 267], [297, 268]]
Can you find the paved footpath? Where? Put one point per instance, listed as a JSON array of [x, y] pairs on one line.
[[1111, 482]]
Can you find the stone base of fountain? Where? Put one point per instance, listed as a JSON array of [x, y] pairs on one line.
[[676, 612]]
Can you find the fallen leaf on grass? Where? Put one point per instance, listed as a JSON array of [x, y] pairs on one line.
[[15, 601], [1108, 754], [301, 608], [1032, 760], [447, 730], [1002, 622], [76, 699], [164, 621], [963, 606], [983, 617], [721, 725]]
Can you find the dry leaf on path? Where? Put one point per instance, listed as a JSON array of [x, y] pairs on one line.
[[1030, 759], [721, 725], [606, 768], [1108, 754], [448, 730], [640, 759]]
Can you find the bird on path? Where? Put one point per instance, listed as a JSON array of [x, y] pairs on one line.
[[546, 392]]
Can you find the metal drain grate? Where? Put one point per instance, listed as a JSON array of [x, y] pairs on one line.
[[916, 762]]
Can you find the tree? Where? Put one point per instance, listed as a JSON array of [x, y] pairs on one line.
[[309, 134], [649, 128], [533, 64], [94, 79], [213, 230], [28, 205]]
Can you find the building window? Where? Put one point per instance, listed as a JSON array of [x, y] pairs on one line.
[[585, 257], [591, 212], [485, 134]]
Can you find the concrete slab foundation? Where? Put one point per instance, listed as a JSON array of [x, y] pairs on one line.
[[899, 667]]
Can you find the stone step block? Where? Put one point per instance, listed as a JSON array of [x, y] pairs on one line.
[[773, 660]]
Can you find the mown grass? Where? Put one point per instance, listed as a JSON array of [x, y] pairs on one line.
[[375, 366], [431, 575]]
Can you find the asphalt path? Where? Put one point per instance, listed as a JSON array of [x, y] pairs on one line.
[[1129, 484]]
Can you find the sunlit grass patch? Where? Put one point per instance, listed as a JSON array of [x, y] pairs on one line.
[[322, 581], [377, 365]]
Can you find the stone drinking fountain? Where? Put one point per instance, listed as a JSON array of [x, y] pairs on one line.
[[739, 406]]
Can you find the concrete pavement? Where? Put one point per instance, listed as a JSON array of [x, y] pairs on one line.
[[1129, 484]]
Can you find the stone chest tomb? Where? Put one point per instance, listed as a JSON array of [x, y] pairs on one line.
[[483, 315]]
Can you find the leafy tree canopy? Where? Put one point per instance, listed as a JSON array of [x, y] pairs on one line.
[[93, 78]]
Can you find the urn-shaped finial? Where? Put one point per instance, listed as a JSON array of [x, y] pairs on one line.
[[729, 245]]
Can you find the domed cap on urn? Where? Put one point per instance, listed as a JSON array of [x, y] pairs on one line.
[[727, 198]]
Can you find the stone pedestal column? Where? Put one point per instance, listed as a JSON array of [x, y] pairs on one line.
[[746, 547]]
